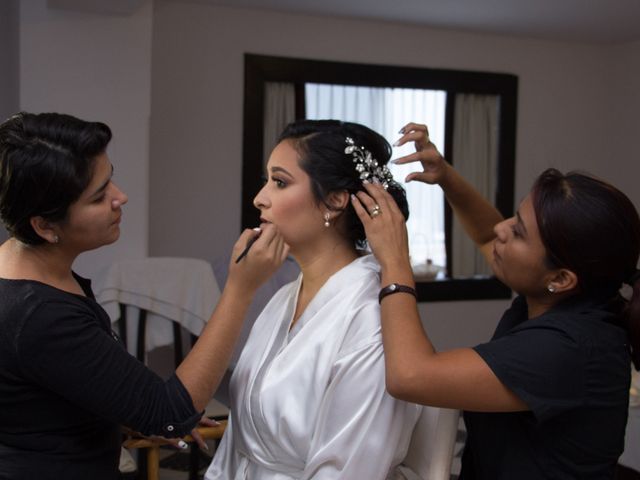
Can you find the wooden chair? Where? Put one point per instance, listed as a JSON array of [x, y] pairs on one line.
[[169, 300], [152, 447], [150, 463]]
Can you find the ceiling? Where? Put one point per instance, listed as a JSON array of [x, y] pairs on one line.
[[587, 21]]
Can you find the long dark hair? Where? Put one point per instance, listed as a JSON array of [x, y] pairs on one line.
[[591, 228], [321, 146], [46, 162]]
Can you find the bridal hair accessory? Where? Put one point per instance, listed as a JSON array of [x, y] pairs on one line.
[[326, 220], [367, 166]]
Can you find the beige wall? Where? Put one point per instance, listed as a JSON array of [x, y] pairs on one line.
[[97, 67], [181, 63], [9, 54], [565, 115]]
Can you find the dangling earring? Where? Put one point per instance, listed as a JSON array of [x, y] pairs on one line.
[[326, 220], [551, 288]]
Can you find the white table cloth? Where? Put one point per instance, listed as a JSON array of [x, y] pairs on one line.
[[183, 290]]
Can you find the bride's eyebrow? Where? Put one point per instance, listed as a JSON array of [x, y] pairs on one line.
[[280, 170]]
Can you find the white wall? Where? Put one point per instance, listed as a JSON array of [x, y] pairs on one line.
[[564, 115], [9, 54], [621, 157], [577, 109], [96, 67]]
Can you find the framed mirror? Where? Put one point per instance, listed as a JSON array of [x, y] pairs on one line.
[[296, 88]]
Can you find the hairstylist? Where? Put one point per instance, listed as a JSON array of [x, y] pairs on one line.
[[547, 396], [66, 382]]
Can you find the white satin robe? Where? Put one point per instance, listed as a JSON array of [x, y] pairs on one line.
[[311, 403]]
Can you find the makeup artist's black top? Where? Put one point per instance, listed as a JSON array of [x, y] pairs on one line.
[[67, 383], [571, 366]]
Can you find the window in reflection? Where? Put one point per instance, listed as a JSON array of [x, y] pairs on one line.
[[386, 110], [480, 106]]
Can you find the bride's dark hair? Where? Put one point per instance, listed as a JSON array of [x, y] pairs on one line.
[[321, 145]]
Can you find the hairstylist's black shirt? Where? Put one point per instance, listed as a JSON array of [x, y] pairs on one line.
[[571, 366], [66, 383]]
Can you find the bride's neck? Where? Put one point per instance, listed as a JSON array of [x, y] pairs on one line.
[[319, 264]]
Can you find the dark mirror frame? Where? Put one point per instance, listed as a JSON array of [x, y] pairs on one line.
[[260, 69]]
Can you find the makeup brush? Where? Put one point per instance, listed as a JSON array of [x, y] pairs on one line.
[[249, 243]]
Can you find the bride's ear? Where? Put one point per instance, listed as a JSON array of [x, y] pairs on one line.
[[338, 200]]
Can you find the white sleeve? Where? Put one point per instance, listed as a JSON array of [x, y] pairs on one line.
[[361, 431]]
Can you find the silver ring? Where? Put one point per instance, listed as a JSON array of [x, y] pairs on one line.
[[376, 211]]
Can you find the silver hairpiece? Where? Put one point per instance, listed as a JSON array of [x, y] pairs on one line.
[[367, 166]]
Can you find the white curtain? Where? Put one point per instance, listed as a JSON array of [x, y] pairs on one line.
[[279, 111], [386, 110], [475, 156]]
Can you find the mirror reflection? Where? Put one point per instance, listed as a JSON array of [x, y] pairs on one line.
[[467, 114]]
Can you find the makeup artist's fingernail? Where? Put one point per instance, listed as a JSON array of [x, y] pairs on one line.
[[256, 229], [205, 447], [396, 144], [401, 131], [365, 181], [183, 445]]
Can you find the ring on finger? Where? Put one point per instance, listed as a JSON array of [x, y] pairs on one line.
[[376, 211]]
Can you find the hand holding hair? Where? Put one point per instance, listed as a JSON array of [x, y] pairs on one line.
[[385, 226], [433, 164]]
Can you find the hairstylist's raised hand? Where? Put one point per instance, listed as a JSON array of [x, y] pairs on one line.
[[265, 255], [434, 165], [384, 225]]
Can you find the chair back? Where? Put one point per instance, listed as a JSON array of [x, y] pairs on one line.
[[431, 449]]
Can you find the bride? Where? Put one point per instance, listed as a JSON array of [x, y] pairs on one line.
[[308, 397]]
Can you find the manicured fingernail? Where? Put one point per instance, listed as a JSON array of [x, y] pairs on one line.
[[256, 229], [365, 181], [396, 144], [394, 161], [401, 130], [183, 445], [376, 181], [206, 447]]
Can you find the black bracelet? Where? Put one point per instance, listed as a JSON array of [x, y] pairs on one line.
[[396, 288]]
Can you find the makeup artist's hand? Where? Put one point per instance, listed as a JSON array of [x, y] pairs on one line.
[[195, 434], [261, 261], [434, 165], [387, 231]]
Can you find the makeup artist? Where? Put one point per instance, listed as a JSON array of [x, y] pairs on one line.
[[547, 397], [66, 382]]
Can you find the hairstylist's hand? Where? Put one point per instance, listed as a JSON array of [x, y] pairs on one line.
[[387, 231], [434, 165], [265, 256]]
